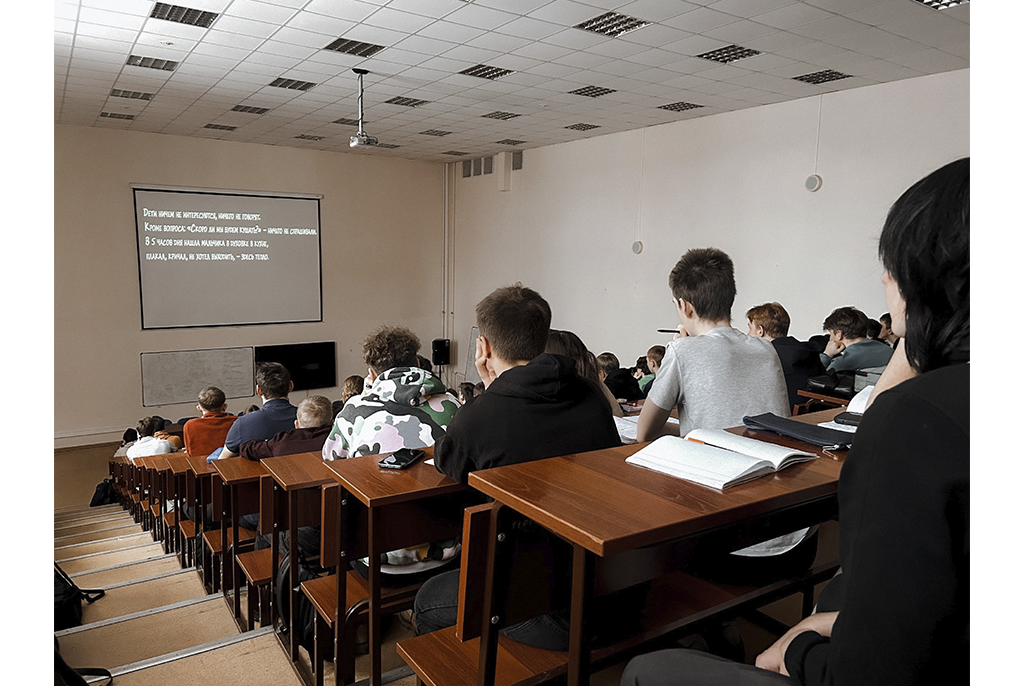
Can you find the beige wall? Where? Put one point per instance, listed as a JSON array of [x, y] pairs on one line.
[[734, 181], [381, 236]]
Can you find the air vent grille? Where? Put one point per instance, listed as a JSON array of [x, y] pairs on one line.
[[183, 15], [592, 91], [484, 72], [293, 84], [729, 53], [250, 110], [134, 95], [942, 4], [504, 116], [434, 132], [346, 122], [151, 63], [612, 24], [307, 137], [354, 47], [822, 76], [220, 127], [583, 127], [387, 146], [509, 141], [679, 106], [406, 102], [117, 115]]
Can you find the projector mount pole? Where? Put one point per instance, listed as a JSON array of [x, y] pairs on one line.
[[360, 73]]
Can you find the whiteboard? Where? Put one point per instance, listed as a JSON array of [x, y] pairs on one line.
[[170, 378]]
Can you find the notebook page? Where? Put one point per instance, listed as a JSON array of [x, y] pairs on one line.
[[692, 461], [761, 450]]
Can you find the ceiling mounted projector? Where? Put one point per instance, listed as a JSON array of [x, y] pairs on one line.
[[361, 139]]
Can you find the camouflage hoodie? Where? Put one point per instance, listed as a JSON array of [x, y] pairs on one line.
[[406, 407]]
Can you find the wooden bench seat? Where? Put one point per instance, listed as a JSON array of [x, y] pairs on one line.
[[258, 568]]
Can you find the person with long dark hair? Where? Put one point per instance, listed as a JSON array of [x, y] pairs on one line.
[[898, 613]]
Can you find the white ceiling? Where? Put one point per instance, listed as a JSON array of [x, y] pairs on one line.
[[428, 42]]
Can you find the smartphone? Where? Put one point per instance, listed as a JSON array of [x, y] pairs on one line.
[[401, 459]]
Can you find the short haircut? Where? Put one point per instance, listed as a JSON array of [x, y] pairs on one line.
[[607, 362], [353, 386], [211, 399], [148, 426], [515, 320], [641, 365], [886, 319], [874, 328], [314, 412], [656, 353], [849, 320], [704, 278], [772, 317], [391, 346], [569, 344], [925, 247], [467, 391], [273, 380]]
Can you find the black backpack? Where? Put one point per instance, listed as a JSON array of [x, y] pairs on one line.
[[67, 600], [305, 613], [105, 494]]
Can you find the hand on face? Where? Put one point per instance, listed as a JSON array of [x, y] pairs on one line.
[[483, 363]]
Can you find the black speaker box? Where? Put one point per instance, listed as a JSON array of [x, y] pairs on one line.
[[441, 351]]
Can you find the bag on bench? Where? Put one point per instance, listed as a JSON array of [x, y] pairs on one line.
[[67, 600]]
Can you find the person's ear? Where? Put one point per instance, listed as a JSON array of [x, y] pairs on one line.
[[259, 391], [291, 386], [486, 351], [760, 332], [373, 374], [296, 423], [686, 309]]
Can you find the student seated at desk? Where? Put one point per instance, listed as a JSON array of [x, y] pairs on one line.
[[800, 360], [535, 406], [901, 614], [849, 348], [273, 384], [148, 443], [205, 434], [715, 375], [569, 344], [655, 354], [619, 381], [405, 406]]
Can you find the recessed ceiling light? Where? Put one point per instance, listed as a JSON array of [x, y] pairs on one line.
[[293, 84], [454, 152], [117, 115], [134, 95], [592, 91], [504, 116], [183, 15], [822, 76], [306, 137], [510, 141], [434, 132], [250, 110], [484, 72], [583, 127], [407, 102], [151, 63], [220, 127], [612, 24], [387, 146], [729, 53], [346, 122], [354, 47], [942, 4], [679, 106]]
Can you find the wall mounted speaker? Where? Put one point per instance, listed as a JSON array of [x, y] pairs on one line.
[[441, 351]]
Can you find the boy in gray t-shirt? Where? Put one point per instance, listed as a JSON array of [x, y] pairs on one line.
[[714, 374]]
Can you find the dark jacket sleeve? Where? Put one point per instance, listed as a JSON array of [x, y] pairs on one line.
[[451, 455], [256, 450], [903, 518]]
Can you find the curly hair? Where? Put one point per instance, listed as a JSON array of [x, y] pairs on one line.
[[391, 346]]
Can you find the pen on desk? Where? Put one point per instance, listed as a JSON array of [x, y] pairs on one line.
[[668, 330]]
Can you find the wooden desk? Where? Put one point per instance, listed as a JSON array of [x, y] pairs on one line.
[[178, 463], [292, 474], [198, 494], [240, 478], [391, 509], [610, 511], [831, 399]]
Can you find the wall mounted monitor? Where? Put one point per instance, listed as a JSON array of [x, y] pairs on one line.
[[311, 365], [227, 258]]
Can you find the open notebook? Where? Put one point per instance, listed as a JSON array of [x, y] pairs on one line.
[[716, 458]]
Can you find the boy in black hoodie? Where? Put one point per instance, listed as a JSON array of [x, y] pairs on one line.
[[535, 406]]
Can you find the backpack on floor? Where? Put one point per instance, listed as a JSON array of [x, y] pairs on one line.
[[67, 600], [105, 494], [65, 675], [305, 613]]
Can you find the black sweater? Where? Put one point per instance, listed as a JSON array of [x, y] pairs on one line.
[[903, 517], [534, 411]]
